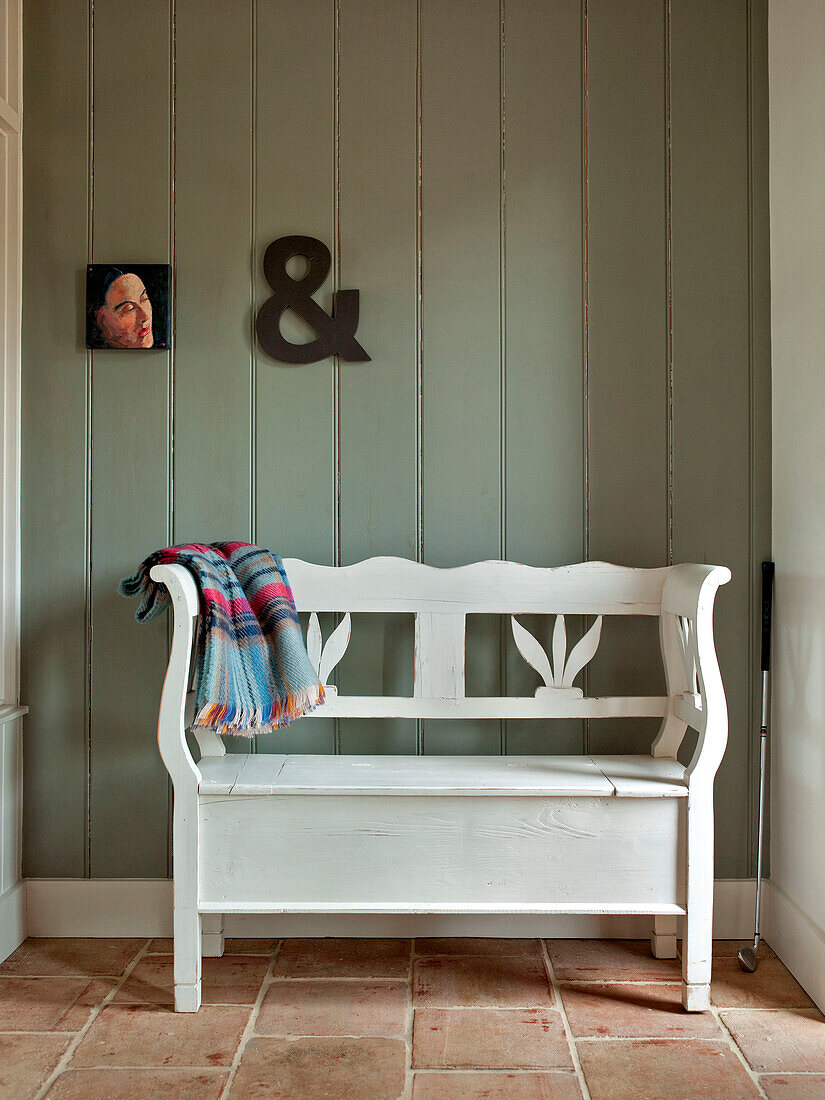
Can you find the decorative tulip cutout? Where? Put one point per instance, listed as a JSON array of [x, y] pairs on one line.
[[324, 660], [563, 673]]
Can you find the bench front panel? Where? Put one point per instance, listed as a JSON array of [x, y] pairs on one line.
[[416, 854]]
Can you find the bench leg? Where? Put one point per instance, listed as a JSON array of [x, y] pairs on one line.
[[187, 959], [663, 939], [212, 935], [697, 940], [187, 919]]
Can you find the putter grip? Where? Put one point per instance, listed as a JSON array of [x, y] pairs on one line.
[[767, 599]]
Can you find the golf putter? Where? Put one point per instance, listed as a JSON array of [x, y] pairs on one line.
[[747, 955]]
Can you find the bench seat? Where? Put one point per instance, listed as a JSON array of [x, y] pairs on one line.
[[549, 776]]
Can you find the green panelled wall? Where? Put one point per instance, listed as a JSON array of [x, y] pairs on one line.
[[556, 214]]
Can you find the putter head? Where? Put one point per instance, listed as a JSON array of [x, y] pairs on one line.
[[747, 959]]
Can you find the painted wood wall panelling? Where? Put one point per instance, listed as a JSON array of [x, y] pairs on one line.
[[472, 215], [213, 304], [295, 426], [627, 349], [461, 305], [11, 267], [11, 802], [711, 383], [377, 214], [214, 362], [54, 439], [760, 412], [543, 271], [130, 456]]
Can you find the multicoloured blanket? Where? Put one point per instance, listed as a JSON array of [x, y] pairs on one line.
[[253, 673]]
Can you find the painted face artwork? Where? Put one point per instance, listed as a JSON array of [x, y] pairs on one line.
[[125, 318]]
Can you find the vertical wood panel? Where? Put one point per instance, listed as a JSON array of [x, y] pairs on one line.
[[377, 213], [543, 317], [760, 350], [54, 476], [213, 422], [295, 193], [11, 799], [627, 331], [712, 377], [130, 473], [461, 424]]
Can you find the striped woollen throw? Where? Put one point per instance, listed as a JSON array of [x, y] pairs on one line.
[[253, 673]]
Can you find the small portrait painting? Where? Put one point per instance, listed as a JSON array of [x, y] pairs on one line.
[[128, 306]]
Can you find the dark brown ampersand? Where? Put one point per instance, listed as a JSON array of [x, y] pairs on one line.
[[336, 333]]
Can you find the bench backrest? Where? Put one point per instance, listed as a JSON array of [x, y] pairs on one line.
[[681, 596], [441, 599]]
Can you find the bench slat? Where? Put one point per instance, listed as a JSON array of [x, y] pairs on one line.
[[549, 703], [493, 587], [555, 776], [643, 776], [252, 773]]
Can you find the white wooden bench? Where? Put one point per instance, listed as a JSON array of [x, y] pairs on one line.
[[448, 834]]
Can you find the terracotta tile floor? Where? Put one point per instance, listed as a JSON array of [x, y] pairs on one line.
[[428, 1019]]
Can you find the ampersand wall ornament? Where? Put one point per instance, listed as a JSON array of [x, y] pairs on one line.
[[336, 334]]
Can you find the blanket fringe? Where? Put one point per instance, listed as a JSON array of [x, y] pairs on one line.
[[243, 722]]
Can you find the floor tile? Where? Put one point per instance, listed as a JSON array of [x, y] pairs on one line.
[[321, 1069], [138, 1084], [26, 1062], [496, 1086], [71, 956], [771, 985], [779, 1041], [49, 1004], [634, 1012], [609, 960], [790, 1086], [152, 1035], [464, 945], [231, 979], [232, 947], [652, 1069], [489, 1038], [334, 1008], [729, 949], [343, 958], [483, 981]]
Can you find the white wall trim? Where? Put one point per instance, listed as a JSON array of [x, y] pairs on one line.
[[11, 299], [143, 907], [12, 919], [12, 891], [797, 940]]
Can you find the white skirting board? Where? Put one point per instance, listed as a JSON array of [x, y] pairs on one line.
[[797, 940], [143, 907], [12, 919]]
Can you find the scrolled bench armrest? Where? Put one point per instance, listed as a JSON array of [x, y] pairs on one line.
[[694, 683], [171, 723], [688, 587]]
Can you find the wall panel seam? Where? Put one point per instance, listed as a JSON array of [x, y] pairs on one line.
[[170, 532], [253, 271], [419, 324], [669, 276], [502, 350], [336, 360], [585, 322], [172, 241], [751, 839], [90, 212]]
